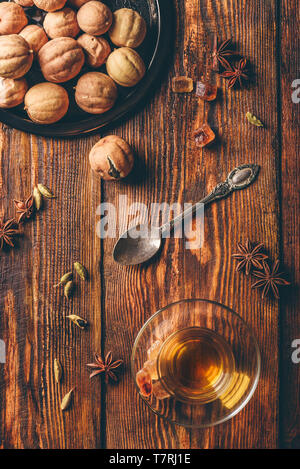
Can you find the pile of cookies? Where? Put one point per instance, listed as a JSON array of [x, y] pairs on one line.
[[71, 36]]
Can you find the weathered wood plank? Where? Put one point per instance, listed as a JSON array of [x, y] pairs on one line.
[[251, 213], [290, 207], [33, 313], [133, 294]]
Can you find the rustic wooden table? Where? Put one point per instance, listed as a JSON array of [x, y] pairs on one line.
[[116, 300]]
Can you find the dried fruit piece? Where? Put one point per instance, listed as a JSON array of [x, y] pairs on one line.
[[203, 135], [50, 5], [125, 66], [94, 18], [182, 85], [37, 196], [65, 279], [96, 49], [12, 92], [24, 3], [128, 28], [144, 382], [45, 191], [66, 402], [57, 370], [46, 103], [68, 290], [254, 120], [81, 270], [35, 36], [95, 93], [12, 18], [15, 56], [78, 321], [62, 23], [112, 158], [206, 91], [61, 59]]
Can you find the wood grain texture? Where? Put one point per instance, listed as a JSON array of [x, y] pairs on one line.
[[116, 301], [33, 313], [290, 207]]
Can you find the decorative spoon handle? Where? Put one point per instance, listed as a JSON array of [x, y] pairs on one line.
[[237, 179]]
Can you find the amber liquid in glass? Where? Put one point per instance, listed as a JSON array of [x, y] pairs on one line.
[[196, 365]]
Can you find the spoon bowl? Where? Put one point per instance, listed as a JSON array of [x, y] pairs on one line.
[[137, 245]]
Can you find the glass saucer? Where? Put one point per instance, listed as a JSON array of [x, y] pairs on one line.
[[240, 378]]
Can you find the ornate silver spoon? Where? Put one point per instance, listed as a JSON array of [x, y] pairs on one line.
[[133, 250]]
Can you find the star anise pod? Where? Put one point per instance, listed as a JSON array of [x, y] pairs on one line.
[[249, 256], [8, 231], [105, 366], [220, 53], [269, 279], [25, 208], [236, 73]]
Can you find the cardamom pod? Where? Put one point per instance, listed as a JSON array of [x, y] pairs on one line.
[[66, 401], [81, 270], [57, 370], [64, 279], [254, 120], [68, 289], [45, 191], [81, 323], [37, 196]]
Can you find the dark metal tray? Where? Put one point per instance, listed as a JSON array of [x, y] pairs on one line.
[[155, 51]]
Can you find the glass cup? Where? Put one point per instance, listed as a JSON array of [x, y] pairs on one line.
[[196, 363]]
